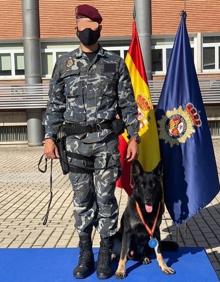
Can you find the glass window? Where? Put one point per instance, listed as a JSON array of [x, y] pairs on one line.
[[19, 64], [5, 64], [157, 60], [59, 54], [211, 39], [125, 53], [219, 57], [168, 54], [192, 49], [208, 58], [47, 63]]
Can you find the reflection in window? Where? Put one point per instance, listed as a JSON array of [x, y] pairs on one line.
[[5, 64], [157, 60], [208, 58], [47, 63], [19, 64]]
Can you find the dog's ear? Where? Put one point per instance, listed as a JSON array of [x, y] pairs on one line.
[[136, 168], [158, 169]]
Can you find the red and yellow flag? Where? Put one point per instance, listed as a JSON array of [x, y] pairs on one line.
[[149, 153]]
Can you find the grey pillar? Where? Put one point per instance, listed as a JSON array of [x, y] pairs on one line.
[[32, 61], [199, 58], [144, 27]]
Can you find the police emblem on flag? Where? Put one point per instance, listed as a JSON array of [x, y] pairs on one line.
[[178, 124]]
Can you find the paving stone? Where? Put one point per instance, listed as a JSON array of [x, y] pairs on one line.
[[24, 196]]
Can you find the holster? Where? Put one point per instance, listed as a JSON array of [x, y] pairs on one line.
[[66, 165], [61, 146]]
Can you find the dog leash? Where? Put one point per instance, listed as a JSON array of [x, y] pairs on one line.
[[153, 241], [51, 181]]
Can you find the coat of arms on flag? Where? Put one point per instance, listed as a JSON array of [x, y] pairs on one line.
[[176, 125]]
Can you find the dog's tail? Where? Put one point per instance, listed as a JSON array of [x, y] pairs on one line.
[[169, 246]]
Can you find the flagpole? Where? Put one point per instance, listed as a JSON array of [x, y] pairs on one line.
[[184, 5], [144, 27]]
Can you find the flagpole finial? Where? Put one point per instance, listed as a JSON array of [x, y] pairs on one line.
[[183, 14], [134, 13]]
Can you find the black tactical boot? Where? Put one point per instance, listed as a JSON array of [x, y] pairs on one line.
[[86, 263], [104, 264]]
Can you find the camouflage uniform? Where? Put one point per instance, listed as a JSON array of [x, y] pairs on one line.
[[87, 92]]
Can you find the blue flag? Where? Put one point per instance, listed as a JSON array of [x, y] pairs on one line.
[[190, 172]]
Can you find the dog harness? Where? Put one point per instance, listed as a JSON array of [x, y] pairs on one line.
[[153, 243]]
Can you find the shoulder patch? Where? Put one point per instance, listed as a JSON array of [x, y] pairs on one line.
[[69, 63]]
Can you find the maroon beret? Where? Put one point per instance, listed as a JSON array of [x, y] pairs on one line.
[[88, 12]]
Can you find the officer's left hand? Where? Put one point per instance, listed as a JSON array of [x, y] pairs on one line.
[[132, 150]]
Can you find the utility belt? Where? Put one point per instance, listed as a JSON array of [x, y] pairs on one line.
[[116, 125]]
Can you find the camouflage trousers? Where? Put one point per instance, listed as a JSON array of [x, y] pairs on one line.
[[94, 200]]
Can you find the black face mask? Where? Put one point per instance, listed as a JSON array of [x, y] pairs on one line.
[[88, 36]]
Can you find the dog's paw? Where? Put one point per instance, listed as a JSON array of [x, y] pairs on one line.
[[168, 270], [120, 274], [146, 260]]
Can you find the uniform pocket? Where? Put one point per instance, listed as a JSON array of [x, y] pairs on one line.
[[113, 160], [70, 73], [72, 83]]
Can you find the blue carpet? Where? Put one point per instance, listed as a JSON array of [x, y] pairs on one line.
[[55, 265]]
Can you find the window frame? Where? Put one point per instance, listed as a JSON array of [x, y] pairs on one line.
[[169, 45], [10, 55], [12, 52], [16, 75], [216, 46]]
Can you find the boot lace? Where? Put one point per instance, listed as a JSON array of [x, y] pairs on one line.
[[84, 257]]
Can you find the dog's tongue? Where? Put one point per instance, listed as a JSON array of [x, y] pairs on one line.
[[148, 208]]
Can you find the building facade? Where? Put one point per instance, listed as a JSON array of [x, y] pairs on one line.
[[57, 25]]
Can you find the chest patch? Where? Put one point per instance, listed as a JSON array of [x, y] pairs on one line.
[[111, 67]]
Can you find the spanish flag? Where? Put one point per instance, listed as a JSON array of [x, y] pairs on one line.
[[149, 153]]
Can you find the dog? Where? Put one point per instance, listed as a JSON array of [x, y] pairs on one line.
[[137, 242]]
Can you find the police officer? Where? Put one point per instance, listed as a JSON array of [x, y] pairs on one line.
[[89, 88]]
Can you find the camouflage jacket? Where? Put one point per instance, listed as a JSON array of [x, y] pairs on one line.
[[89, 92]]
